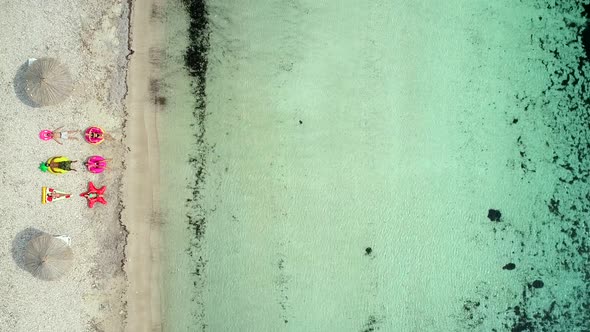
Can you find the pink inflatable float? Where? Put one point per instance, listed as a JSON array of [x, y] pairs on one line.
[[46, 135], [96, 164], [94, 135]]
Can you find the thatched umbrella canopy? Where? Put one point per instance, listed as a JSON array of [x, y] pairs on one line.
[[48, 257], [48, 82]]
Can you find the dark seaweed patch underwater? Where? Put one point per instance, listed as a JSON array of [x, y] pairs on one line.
[[555, 297], [196, 63]]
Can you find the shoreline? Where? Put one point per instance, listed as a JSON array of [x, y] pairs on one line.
[[140, 191]]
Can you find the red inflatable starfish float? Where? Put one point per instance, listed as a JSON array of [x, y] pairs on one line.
[[94, 195]]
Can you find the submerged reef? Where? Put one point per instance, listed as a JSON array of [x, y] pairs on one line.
[[565, 106], [555, 294]]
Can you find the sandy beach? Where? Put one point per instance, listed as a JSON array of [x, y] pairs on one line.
[[91, 39]]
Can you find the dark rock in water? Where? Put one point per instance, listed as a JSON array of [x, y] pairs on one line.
[[538, 284], [368, 251], [517, 310], [494, 215], [509, 266]]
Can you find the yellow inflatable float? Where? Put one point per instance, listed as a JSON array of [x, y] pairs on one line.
[[57, 165]]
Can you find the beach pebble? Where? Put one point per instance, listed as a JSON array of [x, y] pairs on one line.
[[538, 284], [509, 266], [494, 215]]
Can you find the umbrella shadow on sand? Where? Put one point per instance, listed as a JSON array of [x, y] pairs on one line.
[[20, 87], [20, 243]]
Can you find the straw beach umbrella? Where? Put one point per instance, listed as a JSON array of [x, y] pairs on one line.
[[48, 82], [48, 257]]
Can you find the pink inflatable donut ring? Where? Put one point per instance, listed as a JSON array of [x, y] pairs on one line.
[[45, 134], [94, 135], [96, 164]]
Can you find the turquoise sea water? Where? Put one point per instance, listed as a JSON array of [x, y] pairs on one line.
[[334, 166]]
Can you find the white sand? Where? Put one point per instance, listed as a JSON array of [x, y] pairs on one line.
[[91, 38]]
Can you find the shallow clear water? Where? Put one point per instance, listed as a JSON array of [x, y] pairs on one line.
[[337, 169]]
